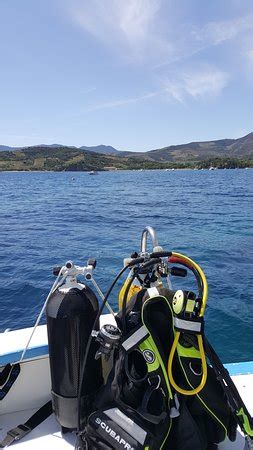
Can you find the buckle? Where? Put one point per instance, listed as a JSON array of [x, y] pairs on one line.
[[155, 381], [19, 432], [15, 435], [175, 405]]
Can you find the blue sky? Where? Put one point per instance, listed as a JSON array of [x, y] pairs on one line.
[[135, 74]]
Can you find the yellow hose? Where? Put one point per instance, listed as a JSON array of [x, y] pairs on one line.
[[196, 390], [204, 367], [202, 276]]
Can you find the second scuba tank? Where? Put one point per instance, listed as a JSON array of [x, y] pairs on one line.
[[70, 314]]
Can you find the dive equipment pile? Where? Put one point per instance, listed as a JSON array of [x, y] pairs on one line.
[[149, 381]]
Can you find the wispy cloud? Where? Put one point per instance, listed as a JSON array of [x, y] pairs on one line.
[[190, 40], [136, 28], [127, 26], [217, 32], [147, 32], [207, 82], [120, 102]]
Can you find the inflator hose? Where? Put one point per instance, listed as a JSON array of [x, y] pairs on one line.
[[198, 272]]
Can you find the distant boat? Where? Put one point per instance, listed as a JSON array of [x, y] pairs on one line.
[[211, 168], [93, 172]]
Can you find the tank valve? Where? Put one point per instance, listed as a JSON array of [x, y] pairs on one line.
[[108, 338]]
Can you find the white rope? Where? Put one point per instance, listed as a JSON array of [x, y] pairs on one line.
[[53, 289]]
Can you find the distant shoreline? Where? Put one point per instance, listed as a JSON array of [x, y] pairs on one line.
[[62, 159], [125, 170]]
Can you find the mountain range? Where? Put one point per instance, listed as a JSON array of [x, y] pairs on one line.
[[224, 153], [105, 149], [193, 151]]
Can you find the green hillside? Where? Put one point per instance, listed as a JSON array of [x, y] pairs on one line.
[[65, 158], [241, 148], [226, 154]]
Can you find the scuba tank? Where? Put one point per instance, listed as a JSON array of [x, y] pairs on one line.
[[70, 314]]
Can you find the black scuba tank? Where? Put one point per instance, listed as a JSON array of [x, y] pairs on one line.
[[70, 316]]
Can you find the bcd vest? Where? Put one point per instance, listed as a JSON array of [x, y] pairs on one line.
[[136, 408]]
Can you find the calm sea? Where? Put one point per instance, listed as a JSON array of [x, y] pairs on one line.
[[49, 218]]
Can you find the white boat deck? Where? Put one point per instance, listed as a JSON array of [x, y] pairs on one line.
[[48, 436], [32, 390]]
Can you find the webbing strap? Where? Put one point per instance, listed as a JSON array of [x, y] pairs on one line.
[[17, 433], [241, 414], [143, 410]]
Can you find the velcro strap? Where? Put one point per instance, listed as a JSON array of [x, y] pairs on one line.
[[135, 338], [195, 326]]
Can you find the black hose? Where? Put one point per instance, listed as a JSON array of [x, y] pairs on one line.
[[124, 301]]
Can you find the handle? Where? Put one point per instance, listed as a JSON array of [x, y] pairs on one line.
[[151, 232], [162, 254]]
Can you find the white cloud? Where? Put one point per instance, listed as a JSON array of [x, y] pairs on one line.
[[150, 31], [147, 31], [216, 32], [188, 40], [127, 25], [207, 82], [120, 102]]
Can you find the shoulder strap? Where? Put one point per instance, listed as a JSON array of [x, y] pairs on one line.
[[153, 389], [15, 434], [239, 410]]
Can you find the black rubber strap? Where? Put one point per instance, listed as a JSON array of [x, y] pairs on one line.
[[143, 410], [8, 377], [15, 434], [234, 399], [5, 373]]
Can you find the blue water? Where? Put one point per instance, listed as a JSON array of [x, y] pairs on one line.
[[49, 218]]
